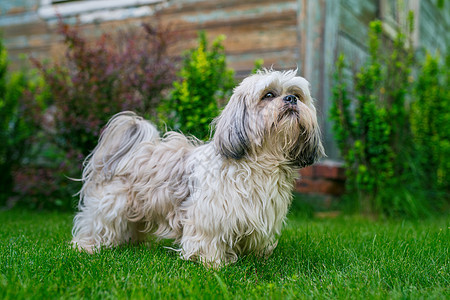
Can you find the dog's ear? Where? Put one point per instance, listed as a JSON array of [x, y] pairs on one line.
[[231, 136], [308, 150]]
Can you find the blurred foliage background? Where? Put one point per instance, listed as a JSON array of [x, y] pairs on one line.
[[391, 119]]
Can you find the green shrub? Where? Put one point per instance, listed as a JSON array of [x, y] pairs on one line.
[[18, 124], [257, 65], [205, 84], [373, 132], [430, 120]]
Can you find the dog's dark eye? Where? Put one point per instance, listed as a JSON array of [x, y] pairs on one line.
[[269, 95]]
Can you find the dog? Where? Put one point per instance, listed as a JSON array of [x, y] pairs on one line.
[[217, 200]]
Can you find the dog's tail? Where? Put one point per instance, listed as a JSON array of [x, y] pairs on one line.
[[120, 137]]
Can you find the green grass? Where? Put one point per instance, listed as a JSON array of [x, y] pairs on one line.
[[342, 258]]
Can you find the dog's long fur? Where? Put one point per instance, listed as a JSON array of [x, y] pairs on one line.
[[217, 200]]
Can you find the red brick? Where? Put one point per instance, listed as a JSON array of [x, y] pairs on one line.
[[330, 171], [320, 186], [308, 172], [304, 185], [325, 178]]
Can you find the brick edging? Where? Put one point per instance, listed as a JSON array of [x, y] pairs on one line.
[[323, 178]]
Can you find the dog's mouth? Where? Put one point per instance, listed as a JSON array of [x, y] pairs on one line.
[[288, 110]]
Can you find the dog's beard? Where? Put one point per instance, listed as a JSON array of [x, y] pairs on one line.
[[294, 132], [285, 129], [289, 111]]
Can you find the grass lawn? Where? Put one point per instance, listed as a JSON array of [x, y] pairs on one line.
[[343, 258]]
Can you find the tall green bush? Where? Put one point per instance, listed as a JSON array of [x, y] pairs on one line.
[[373, 132], [430, 120], [18, 124], [205, 83]]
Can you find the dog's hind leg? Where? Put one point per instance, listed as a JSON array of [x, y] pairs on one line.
[[102, 220]]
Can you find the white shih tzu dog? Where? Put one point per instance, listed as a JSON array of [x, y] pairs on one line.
[[217, 200]]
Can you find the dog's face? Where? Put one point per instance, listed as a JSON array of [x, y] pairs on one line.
[[270, 113]]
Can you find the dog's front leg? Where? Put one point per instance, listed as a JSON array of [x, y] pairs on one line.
[[267, 251], [210, 250]]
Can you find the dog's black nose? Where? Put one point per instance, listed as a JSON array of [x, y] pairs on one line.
[[290, 99]]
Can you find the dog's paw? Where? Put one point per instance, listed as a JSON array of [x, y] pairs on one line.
[[84, 247]]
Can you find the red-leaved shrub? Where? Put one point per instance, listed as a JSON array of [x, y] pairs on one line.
[[126, 70]]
